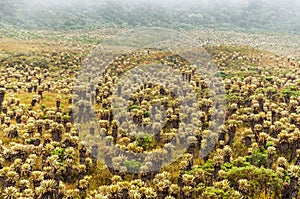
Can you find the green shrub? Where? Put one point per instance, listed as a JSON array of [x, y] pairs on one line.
[[60, 152], [217, 193], [258, 158], [132, 165], [289, 91], [260, 179], [221, 74], [144, 140]]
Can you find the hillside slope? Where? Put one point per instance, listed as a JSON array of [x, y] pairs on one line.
[[255, 15]]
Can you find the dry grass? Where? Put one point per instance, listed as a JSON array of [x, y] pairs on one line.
[[10, 46]]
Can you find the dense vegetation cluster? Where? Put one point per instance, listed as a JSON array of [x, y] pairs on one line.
[[257, 153], [61, 138]]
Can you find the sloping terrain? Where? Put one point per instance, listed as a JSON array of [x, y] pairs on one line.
[[249, 16], [256, 155]]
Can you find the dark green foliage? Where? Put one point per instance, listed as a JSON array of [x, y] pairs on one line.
[[208, 169], [269, 78], [144, 141], [258, 158], [147, 113], [289, 91], [134, 107], [60, 152], [260, 179], [30, 141], [222, 74], [132, 165]]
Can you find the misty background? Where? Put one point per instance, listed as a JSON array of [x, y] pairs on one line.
[[242, 15]]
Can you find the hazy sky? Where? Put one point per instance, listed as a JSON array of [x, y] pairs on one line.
[[184, 3]]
